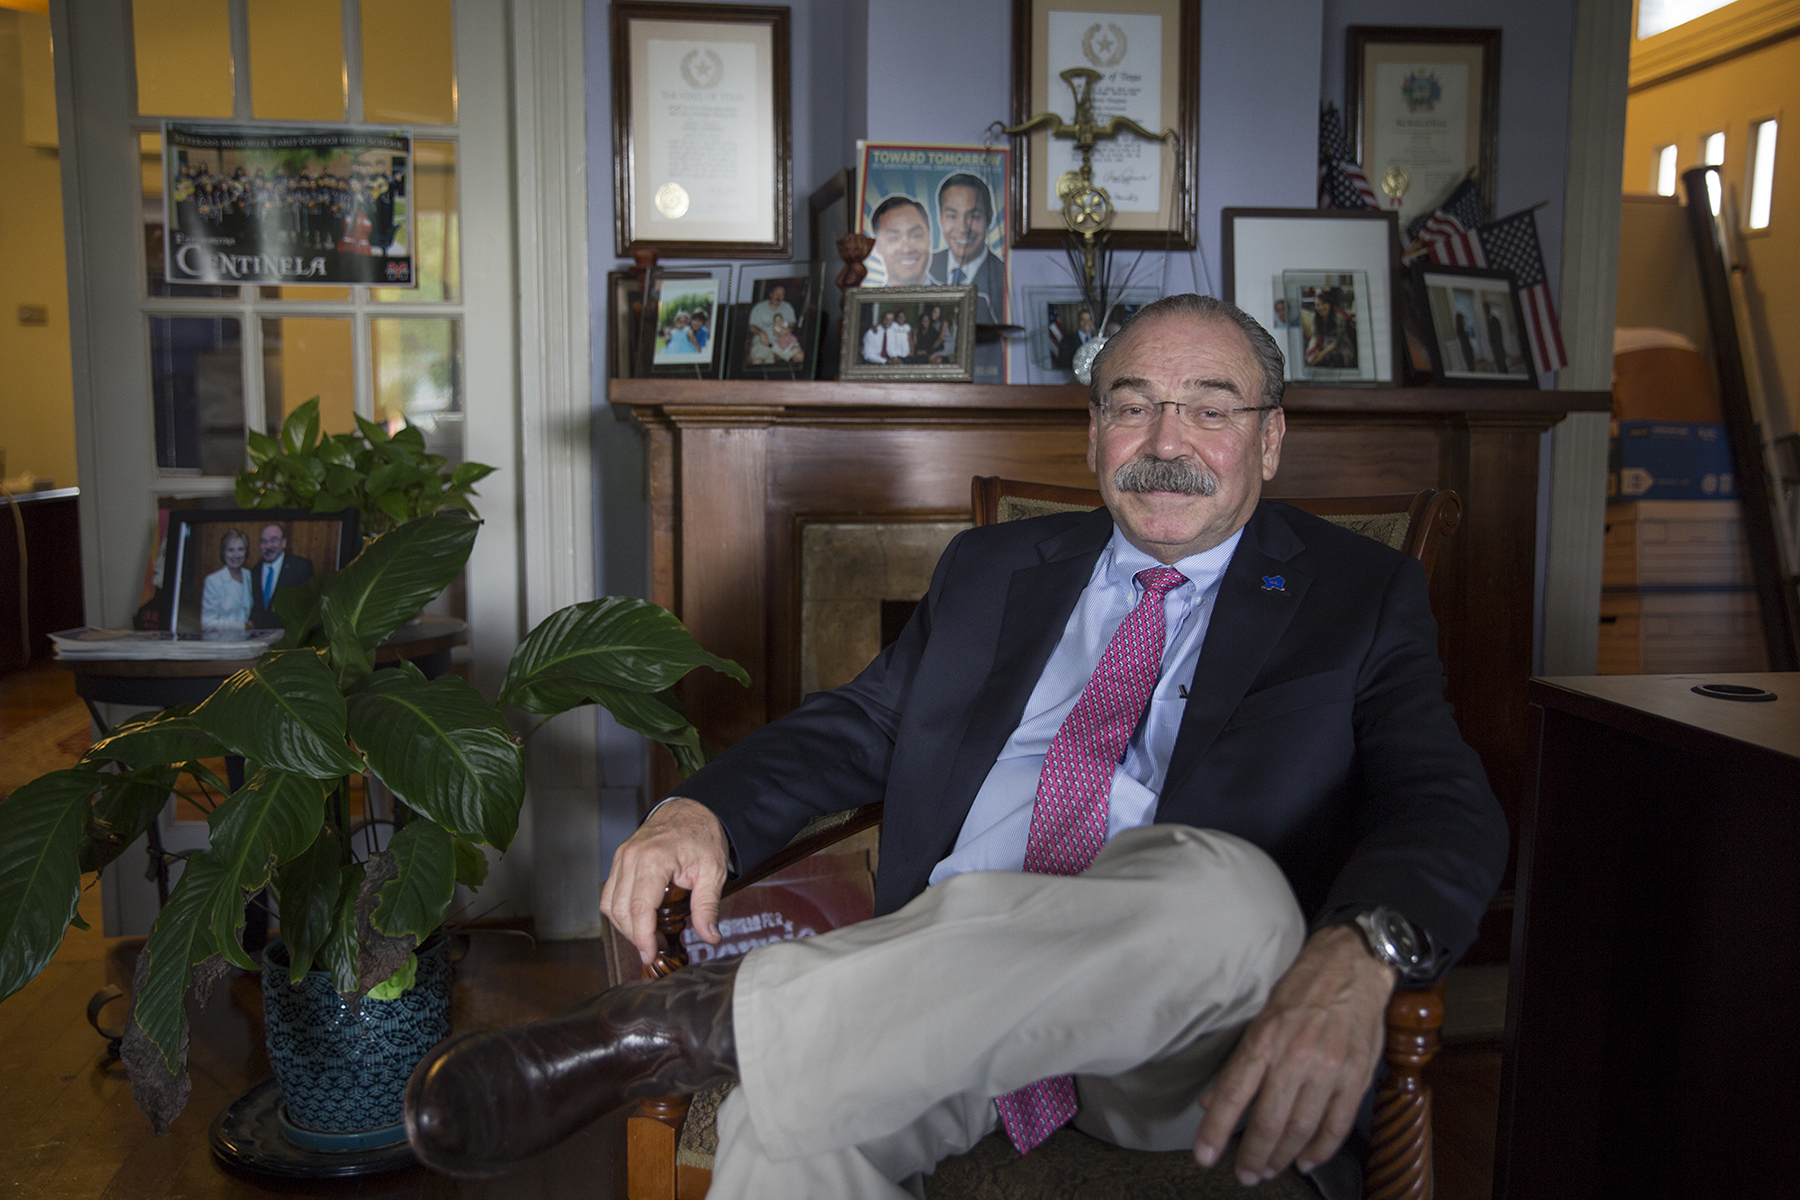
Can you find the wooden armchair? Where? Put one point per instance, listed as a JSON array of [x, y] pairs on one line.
[[670, 1142]]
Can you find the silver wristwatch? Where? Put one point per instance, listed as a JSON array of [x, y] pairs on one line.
[[1393, 940]]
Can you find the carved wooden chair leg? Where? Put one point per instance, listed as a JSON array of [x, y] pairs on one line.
[[654, 1127], [1400, 1154]]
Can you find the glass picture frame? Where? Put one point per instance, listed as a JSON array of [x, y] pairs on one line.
[[775, 322], [682, 331], [1329, 338]]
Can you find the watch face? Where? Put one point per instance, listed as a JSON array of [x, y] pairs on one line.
[[1400, 934]]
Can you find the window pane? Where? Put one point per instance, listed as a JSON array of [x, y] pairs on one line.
[[183, 51], [408, 62], [312, 295], [417, 365], [1665, 171], [437, 258], [197, 384], [1657, 16], [1762, 175], [1713, 154], [305, 357], [150, 163], [296, 60]]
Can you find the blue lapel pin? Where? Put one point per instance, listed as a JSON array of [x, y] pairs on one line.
[[1274, 583]]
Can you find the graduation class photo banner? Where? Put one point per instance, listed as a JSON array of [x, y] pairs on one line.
[[286, 204]]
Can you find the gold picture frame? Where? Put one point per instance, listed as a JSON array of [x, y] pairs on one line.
[[1050, 36]]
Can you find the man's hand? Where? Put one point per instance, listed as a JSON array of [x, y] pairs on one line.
[[1306, 1060], [682, 843]]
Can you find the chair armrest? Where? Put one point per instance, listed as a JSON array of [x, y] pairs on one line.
[[820, 834], [1400, 1143]]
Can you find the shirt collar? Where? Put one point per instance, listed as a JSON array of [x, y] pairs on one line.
[[1122, 561], [968, 269]]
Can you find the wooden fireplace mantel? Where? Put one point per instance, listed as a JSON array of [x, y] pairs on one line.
[[734, 466]]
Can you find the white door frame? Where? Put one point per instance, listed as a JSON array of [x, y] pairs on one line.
[[521, 175]]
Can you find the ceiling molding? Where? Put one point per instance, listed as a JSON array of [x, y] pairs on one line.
[[1719, 35]]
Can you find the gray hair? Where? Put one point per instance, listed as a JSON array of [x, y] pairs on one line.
[[1203, 308]]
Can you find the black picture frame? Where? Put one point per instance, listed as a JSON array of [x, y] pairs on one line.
[[744, 358], [624, 318], [663, 290], [833, 209], [189, 554], [1448, 346]]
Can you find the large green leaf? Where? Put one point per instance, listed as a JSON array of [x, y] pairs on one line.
[[297, 608], [285, 712], [396, 575], [125, 808], [273, 818], [300, 432], [443, 750], [614, 642], [657, 716], [471, 863], [310, 889], [40, 873], [181, 938], [338, 954], [413, 903], [170, 736]]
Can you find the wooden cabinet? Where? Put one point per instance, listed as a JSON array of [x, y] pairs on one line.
[[735, 467]]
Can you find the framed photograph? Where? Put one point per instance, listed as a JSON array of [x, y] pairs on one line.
[[702, 132], [1422, 107], [1260, 245], [1328, 337], [1477, 326], [224, 566], [775, 322], [1148, 54], [1058, 322], [624, 318], [682, 330], [909, 333], [940, 217], [833, 215]]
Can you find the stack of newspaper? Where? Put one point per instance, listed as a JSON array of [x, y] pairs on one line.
[[156, 644]]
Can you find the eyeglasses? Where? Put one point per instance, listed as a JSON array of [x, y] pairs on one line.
[[1141, 414]]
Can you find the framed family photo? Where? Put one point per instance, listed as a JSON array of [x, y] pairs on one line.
[[1422, 110], [682, 330], [702, 130], [1148, 55], [1477, 326], [775, 322], [1330, 337], [923, 333], [224, 568], [1262, 246]]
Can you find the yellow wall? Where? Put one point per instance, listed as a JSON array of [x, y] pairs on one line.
[[1729, 96], [37, 406]]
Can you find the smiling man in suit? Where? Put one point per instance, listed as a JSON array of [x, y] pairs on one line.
[[278, 570], [1173, 801]]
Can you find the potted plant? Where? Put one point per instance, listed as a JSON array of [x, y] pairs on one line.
[[308, 717], [388, 478]]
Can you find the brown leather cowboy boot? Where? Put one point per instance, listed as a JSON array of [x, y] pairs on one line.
[[480, 1102]]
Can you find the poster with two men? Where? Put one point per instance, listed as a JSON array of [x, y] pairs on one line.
[[940, 215]]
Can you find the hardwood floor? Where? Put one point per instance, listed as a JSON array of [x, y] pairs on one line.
[[68, 1127]]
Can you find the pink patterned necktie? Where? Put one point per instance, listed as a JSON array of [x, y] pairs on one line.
[[1068, 820]]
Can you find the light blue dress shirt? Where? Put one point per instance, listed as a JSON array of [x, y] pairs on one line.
[[993, 834]]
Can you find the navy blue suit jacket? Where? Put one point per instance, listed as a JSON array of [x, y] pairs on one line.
[[1316, 729]]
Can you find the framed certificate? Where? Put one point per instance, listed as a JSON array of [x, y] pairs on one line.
[[1148, 54], [1422, 110], [702, 132]]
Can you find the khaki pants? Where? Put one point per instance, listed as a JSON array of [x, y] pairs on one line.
[[868, 1054]]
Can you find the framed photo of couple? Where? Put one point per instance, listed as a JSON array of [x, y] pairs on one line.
[[224, 568], [1148, 56]]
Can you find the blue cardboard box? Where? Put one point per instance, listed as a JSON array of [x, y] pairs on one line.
[[1670, 460]]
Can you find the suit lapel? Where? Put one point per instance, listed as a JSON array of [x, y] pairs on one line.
[[1039, 599], [1248, 619]]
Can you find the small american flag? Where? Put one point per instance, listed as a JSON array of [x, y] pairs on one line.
[[1447, 233], [1511, 244], [1342, 183]]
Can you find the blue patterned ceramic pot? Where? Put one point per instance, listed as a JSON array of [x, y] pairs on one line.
[[343, 1072]]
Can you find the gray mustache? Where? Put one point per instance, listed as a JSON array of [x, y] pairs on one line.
[[1166, 475]]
